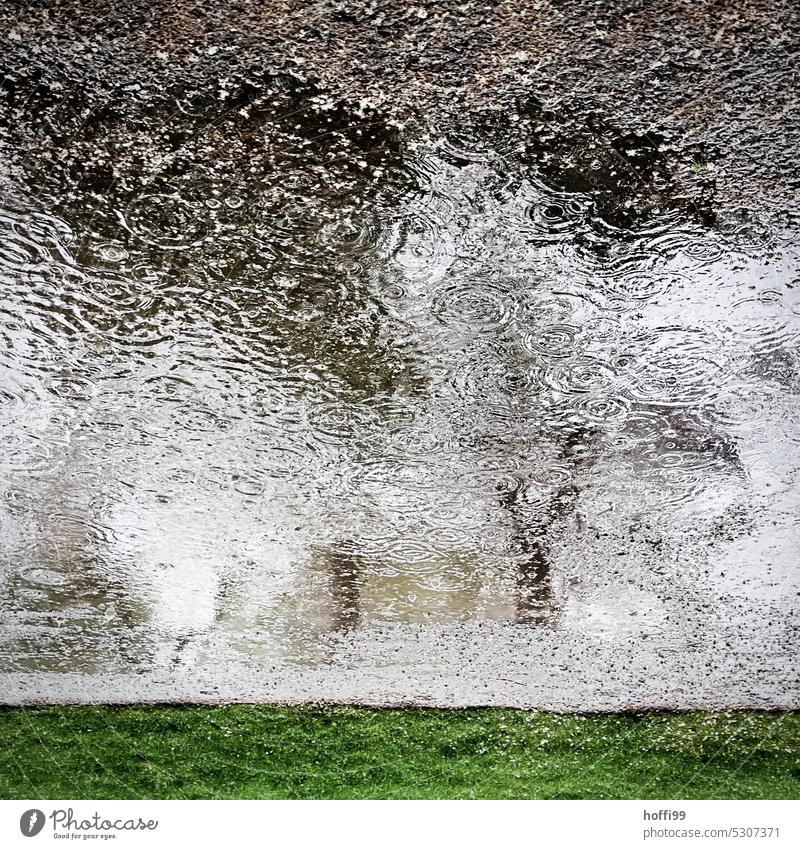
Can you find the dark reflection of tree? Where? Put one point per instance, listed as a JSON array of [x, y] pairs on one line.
[[621, 181], [532, 531], [628, 176], [346, 573], [531, 547]]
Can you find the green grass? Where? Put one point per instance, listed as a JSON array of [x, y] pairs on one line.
[[245, 751]]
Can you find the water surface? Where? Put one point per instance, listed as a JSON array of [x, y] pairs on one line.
[[362, 420]]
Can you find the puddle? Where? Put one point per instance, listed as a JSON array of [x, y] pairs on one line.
[[296, 409]]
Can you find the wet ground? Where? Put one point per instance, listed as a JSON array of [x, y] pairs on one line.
[[439, 354]]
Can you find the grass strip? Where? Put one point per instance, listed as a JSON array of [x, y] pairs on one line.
[[265, 751]]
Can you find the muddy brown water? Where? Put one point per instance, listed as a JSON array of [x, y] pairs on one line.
[[298, 404]]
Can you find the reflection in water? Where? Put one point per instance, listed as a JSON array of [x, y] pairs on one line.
[[355, 387], [347, 573]]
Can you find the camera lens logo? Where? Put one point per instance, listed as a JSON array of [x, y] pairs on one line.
[[31, 822]]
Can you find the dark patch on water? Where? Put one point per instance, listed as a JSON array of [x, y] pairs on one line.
[[628, 176]]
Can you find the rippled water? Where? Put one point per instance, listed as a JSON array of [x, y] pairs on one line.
[[243, 422]]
